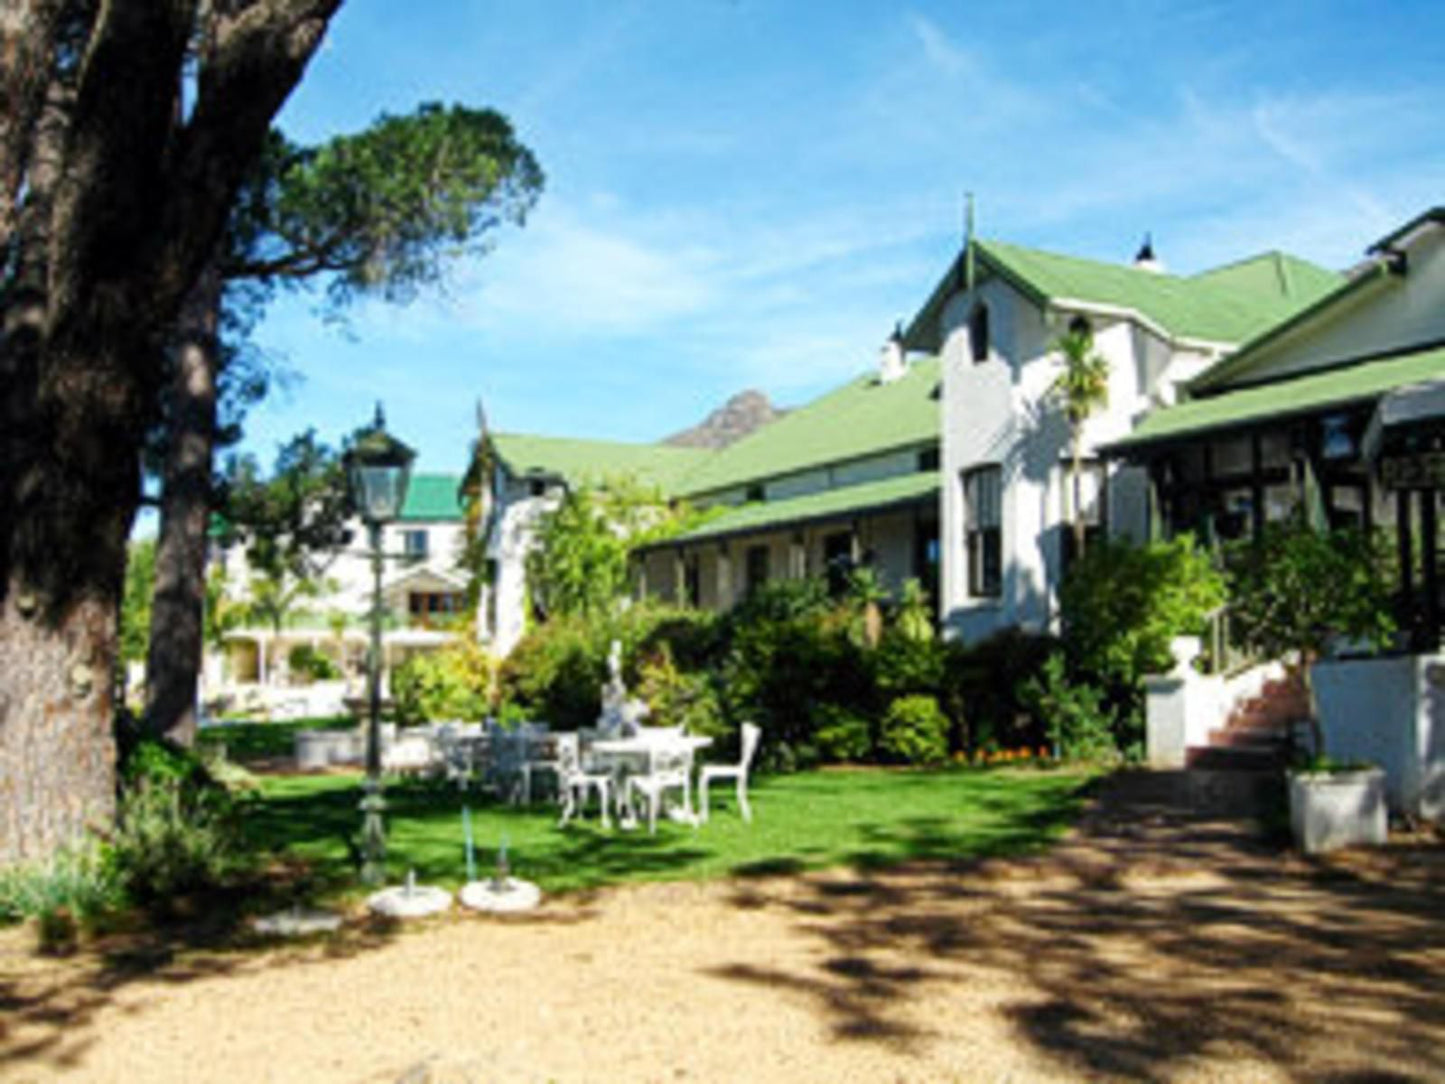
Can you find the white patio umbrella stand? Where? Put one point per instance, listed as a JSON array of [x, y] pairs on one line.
[[506, 895], [410, 900]]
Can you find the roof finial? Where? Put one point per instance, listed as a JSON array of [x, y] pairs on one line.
[[1146, 260], [968, 242]]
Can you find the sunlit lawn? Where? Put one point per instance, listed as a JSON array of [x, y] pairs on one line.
[[805, 821]]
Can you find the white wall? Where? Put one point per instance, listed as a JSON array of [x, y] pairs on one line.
[[1000, 411], [1395, 314], [1391, 712]]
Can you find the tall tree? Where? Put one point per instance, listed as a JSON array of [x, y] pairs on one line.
[[1081, 389], [380, 212], [129, 128]]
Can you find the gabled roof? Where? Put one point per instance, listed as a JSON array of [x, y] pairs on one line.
[[1304, 394], [433, 496], [864, 417], [1224, 305], [1434, 216], [577, 461], [1242, 360]]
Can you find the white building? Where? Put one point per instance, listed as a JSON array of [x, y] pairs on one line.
[[994, 320], [423, 596]]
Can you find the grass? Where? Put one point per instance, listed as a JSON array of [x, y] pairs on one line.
[[806, 821]]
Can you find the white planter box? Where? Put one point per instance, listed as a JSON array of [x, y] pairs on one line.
[[1337, 809]]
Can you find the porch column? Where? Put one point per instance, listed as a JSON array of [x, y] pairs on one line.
[[724, 577], [679, 579], [1407, 572], [1428, 571], [797, 558], [262, 650]]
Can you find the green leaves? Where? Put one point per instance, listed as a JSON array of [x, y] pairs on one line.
[[1083, 386]]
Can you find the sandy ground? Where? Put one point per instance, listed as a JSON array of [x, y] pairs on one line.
[[1148, 947]]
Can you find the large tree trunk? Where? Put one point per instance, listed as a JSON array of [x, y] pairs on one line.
[[139, 204], [173, 658]]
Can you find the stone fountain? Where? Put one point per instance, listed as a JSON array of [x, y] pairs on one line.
[[500, 893], [409, 900]]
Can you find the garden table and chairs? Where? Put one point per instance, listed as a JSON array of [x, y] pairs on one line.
[[650, 764]]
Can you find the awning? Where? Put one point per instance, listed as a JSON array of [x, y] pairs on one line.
[[1305, 394], [1409, 408], [829, 504]]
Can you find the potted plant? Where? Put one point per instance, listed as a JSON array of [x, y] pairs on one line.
[[1293, 592]]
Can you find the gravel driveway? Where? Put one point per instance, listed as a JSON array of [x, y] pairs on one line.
[[1149, 946]]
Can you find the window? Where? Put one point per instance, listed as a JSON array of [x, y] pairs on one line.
[[983, 531], [413, 546], [537, 487], [978, 342], [428, 603], [756, 567], [928, 459], [1079, 326], [756, 493]]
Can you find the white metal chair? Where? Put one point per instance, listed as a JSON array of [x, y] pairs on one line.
[[573, 781], [669, 768], [739, 772]]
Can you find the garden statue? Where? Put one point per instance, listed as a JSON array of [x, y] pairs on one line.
[[620, 716]]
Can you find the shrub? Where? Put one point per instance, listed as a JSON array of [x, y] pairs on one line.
[[680, 699], [453, 683], [312, 664], [172, 839], [981, 686], [904, 665], [79, 881], [840, 734], [1074, 714], [914, 731], [556, 673], [1121, 605]]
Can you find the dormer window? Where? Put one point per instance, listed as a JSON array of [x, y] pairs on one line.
[[1080, 326], [978, 342]]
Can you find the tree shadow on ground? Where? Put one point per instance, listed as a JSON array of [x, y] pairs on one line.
[[1152, 941]]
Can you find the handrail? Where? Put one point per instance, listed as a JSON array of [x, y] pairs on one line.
[[1227, 655]]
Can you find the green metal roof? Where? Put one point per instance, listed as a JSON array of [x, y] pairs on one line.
[[578, 461], [1227, 304], [863, 417], [903, 489], [1298, 395], [433, 496]]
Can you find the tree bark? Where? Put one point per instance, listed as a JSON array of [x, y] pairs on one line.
[[173, 658], [140, 200]]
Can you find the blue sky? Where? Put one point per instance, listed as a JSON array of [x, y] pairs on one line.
[[748, 194]]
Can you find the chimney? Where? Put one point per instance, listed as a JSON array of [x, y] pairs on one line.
[[1146, 260], [892, 362]]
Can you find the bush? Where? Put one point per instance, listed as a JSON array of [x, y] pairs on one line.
[[903, 665], [680, 699], [312, 664], [79, 881], [453, 683], [172, 839], [840, 734], [981, 686], [1121, 605], [914, 731], [1074, 714]]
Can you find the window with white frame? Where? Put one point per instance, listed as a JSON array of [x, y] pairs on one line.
[[983, 530]]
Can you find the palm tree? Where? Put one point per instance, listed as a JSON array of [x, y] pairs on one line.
[[1080, 389]]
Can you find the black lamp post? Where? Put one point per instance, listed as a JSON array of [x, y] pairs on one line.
[[379, 469]]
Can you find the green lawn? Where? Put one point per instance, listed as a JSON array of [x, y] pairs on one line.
[[804, 821]]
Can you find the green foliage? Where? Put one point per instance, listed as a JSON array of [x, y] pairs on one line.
[[914, 619], [841, 735], [312, 664], [80, 881], [1295, 589], [453, 683], [135, 606], [1074, 714], [1122, 604], [914, 731], [902, 664], [245, 742], [579, 563], [982, 688], [173, 839], [679, 698]]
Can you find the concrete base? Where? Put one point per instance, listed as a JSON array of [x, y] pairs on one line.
[[297, 922], [512, 896], [409, 901], [1328, 810]]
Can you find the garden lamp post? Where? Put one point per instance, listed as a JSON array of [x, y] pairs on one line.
[[378, 467]]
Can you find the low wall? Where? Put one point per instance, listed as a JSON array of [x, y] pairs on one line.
[[1391, 712]]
